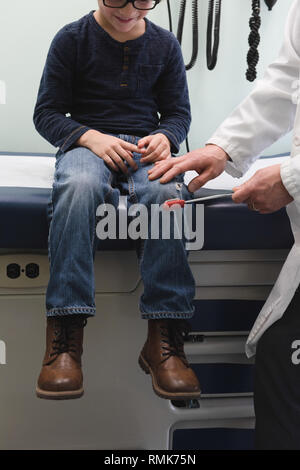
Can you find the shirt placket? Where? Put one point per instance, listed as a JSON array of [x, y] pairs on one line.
[[125, 69]]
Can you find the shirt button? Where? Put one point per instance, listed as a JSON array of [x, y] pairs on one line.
[[126, 48]]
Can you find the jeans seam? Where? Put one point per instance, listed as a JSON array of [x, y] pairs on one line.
[[50, 216], [74, 310], [50, 207], [131, 190], [165, 311], [75, 307], [71, 308], [167, 315], [110, 184], [133, 140], [105, 198]]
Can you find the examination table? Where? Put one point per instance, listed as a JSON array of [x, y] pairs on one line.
[[240, 260]]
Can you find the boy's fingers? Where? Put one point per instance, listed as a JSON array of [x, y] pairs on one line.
[[129, 146], [110, 163], [128, 157], [131, 162], [153, 155], [118, 161], [150, 150], [144, 141]]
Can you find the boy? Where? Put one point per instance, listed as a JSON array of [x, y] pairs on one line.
[[113, 70]]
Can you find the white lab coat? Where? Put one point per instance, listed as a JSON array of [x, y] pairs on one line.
[[271, 110]]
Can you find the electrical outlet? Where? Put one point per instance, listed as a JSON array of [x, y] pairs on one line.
[[23, 271]]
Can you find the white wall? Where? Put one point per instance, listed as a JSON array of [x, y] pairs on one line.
[[28, 26]]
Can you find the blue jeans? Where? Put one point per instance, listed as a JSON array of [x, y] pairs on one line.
[[82, 181]]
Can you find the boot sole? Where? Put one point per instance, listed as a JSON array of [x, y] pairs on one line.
[[160, 392], [66, 395]]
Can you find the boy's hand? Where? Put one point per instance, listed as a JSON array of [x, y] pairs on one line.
[[111, 149], [154, 148]]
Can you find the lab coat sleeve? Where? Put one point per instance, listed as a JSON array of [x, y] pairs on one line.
[[268, 112], [290, 175]]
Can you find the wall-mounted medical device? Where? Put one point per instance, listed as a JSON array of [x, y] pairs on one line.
[[214, 17], [254, 38], [213, 32], [270, 3]]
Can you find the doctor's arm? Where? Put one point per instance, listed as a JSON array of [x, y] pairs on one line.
[[265, 115]]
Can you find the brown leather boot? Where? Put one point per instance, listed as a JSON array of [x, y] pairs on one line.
[[61, 374], [163, 357]]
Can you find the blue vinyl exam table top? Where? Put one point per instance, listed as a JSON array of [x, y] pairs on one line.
[[25, 188]]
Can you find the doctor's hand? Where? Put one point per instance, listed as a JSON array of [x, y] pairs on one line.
[[264, 191], [209, 162], [154, 148]]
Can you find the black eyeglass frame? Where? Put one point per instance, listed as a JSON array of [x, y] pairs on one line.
[[133, 4]]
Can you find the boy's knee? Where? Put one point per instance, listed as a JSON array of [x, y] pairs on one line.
[[83, 172], [159, 193]]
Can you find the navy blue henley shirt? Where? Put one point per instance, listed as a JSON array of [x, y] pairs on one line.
[[92, 81]]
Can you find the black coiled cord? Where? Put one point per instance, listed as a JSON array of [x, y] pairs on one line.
[[195, 30], [181, 20], [195, 39], [254, 40], [180, 33], [170, 16], [212, 52]]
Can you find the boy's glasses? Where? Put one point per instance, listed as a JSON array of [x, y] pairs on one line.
[[138, 4]]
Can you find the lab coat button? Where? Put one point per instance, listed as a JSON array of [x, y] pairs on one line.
[[297, 140]]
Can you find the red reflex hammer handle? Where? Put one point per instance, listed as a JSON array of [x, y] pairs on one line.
[[172, 202]]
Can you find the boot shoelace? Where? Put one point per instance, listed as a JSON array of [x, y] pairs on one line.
[[64, 330], [173, 335]]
